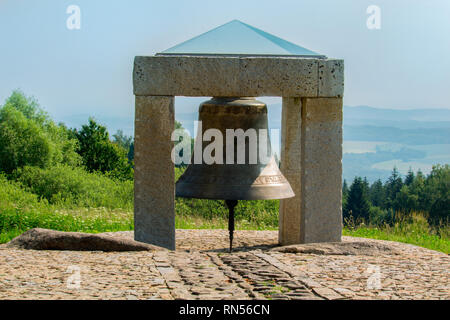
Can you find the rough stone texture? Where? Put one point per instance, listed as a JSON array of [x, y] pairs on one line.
[[290, 209], [45, 239], [237, 76], [201, 268], [321, 168], [311, 160], [339, 248], [331, 78], [154, 190]]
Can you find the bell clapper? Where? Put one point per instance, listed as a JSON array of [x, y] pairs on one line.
[[231, 204]]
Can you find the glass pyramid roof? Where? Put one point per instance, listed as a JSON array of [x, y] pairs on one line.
[[240, 39]]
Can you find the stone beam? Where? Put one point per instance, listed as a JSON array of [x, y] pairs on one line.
[[237, 76]]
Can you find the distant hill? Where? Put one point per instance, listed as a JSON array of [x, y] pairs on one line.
[[376, 140], [377, 114]]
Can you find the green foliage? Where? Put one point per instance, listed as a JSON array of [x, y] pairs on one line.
[[392, 187], [22, 142], [377, 194], [100, 154], [29, 137], [74, 187], [344, 194], [358, 203], [437, 193], [21, 210], [28, 106], [430, 195], [126, 143]]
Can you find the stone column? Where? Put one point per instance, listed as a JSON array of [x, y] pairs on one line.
[[312, 163], [290, 209], [154, 176]]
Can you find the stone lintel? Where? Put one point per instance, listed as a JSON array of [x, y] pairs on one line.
[[237, 76]]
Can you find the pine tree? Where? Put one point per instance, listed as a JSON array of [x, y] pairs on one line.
[[409, 179], [358, 203], [378, 194], [344, 194], [393, 186]]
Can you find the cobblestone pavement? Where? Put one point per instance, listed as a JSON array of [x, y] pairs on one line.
[[201, 268]]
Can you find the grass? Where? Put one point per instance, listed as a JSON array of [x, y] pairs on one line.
[[426, 240], [412, 228], [21, 210], [430, 241], [13, 222]]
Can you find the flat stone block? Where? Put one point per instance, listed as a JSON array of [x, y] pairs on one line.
[[154, 176], [235, 76]]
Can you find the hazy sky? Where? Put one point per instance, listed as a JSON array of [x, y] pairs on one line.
[[405, 64]]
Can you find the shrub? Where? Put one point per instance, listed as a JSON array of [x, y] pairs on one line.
[[74, 187], [378, 216]]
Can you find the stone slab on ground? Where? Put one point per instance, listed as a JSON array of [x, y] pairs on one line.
[[201, 268], [45, 239]]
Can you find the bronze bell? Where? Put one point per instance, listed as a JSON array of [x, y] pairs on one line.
[[248, 171]]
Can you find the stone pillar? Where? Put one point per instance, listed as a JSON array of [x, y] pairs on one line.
[[289, 216], [154, 175], [312, 163]]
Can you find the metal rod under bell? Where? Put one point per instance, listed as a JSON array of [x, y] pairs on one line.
[[231, 204]]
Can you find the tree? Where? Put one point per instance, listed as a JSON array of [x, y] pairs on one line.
[[393, 186], [377, 194], [130, 154], [28, 136], [125, 142], [358, 205], [344, 193], [22, 142], [437, 189], [409, 179], [99, 153], [405, 201], [122, 140], [28, 106]]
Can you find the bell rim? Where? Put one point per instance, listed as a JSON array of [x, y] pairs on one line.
[[211, 192]]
